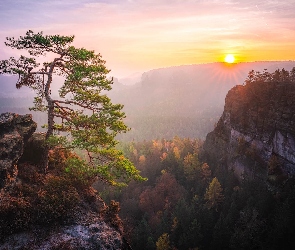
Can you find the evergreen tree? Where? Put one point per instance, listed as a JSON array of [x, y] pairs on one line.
[[214, 194], [163, 243], [86, 113]]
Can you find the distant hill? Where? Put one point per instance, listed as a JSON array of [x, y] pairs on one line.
[[184, 100]]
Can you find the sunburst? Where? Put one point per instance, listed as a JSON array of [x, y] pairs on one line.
[[229, 58]]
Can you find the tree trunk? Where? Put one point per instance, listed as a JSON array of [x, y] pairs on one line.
[[48, 134], [50, 114]]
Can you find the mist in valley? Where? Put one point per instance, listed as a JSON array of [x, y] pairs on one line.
[[184, 101]]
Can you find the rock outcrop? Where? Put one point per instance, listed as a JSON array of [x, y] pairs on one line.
[[256, 132], [90, 233], [53, 210], [15, 130]]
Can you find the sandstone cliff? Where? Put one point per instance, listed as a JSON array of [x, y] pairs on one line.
[[256, 132], [53, 210]]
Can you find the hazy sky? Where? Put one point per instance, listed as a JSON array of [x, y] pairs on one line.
[[138, 35]]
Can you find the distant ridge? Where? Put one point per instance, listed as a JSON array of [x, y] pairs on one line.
[[184, 100]]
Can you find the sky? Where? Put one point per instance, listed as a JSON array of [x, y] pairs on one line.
[[139, 35]]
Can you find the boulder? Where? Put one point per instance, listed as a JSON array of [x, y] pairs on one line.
[[15, 130]]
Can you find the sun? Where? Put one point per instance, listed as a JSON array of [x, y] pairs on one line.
[[229, 58]]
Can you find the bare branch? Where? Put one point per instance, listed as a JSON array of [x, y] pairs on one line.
[[64, 107], [78, 104]]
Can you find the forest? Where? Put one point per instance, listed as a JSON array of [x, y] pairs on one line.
[[186, 204]]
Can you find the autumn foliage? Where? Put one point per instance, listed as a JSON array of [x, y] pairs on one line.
[[187, 204]]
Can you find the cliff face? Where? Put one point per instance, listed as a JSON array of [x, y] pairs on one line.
[[256, 132]]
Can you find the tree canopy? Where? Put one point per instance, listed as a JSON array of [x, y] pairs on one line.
[[278, 76], [82, 109]]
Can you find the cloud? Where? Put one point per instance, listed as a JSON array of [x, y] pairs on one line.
[[130, 33]]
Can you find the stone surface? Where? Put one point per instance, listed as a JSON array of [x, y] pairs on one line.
[[15, 130], [257, 125], [33, 151], [90, 233]]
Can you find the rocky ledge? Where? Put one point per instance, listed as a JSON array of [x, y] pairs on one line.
[[56, 210], [90, 233]]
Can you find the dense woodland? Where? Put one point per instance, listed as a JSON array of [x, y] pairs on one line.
[[186, 204]]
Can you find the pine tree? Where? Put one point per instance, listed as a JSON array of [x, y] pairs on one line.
[[214, 194], [86, 113], [163, 243]]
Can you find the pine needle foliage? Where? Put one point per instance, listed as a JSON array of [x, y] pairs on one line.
[[83, 109]]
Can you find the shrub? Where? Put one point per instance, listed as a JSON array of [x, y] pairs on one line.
[[14, 214], [56, 202]]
